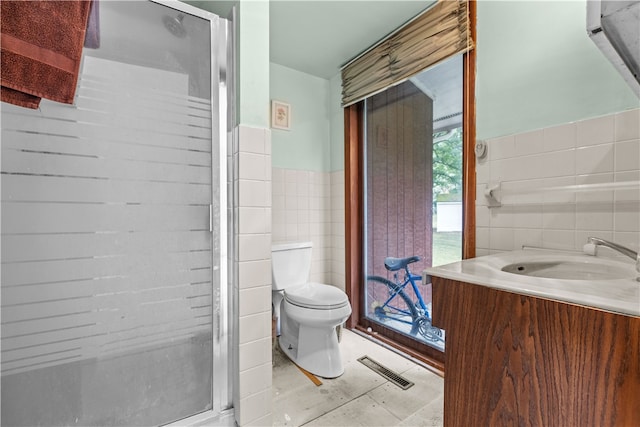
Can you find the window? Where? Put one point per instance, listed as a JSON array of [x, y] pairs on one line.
[[409, 194]]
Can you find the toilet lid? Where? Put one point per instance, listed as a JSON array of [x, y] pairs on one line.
[[316, 295]]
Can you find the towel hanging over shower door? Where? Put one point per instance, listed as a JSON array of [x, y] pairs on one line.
[[41, 45]]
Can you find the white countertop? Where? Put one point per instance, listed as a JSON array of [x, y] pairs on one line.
[[615, 295]]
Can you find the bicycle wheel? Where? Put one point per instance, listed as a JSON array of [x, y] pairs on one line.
[[378, 291]]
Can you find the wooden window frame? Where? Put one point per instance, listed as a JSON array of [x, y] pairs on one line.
[[354, 211]]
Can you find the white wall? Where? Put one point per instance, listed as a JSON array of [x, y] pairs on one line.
[[306, 145], [536, 68], [301, 212], [308, 192], [554, 113], [337, 253], [602, 150], [252, 205], [309, 206]]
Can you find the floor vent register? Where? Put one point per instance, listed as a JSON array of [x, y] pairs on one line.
[[387, 373]]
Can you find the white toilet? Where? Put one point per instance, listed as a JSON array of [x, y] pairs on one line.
[[308, 312]]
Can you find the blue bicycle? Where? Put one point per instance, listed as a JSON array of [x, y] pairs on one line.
[[391, 300]]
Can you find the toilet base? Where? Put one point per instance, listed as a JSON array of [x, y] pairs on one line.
[[308, 337], [323, 361]]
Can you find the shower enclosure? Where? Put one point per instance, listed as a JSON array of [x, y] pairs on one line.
[[115, 303]]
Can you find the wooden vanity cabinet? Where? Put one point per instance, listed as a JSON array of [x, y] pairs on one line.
[[516, 360]]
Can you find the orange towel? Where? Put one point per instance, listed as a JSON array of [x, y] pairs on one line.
[[41, 46]]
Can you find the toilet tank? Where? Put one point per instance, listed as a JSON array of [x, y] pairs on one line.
[[290, 264]]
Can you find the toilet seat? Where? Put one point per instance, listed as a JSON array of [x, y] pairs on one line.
[[316, 296]]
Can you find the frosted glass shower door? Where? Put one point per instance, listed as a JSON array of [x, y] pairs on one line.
[[112, 266]]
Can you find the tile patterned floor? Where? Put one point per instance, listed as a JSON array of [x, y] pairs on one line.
[[360, 397]]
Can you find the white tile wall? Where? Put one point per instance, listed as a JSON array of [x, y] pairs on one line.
[[252, 262], [309, 206], [337, 265], [595, 152]]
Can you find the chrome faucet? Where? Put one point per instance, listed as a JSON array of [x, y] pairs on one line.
[[596, 241]]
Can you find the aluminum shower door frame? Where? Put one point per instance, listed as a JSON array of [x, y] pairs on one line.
[[221, 98]]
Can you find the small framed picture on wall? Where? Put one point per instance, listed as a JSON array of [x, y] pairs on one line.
[[280, 115]]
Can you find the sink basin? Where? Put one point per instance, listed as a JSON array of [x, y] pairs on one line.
[[571, 270], [602, 282]]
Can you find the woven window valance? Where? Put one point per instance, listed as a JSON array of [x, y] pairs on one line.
[[440, 32]]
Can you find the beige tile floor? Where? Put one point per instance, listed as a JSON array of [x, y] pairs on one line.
[[360, 397]]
